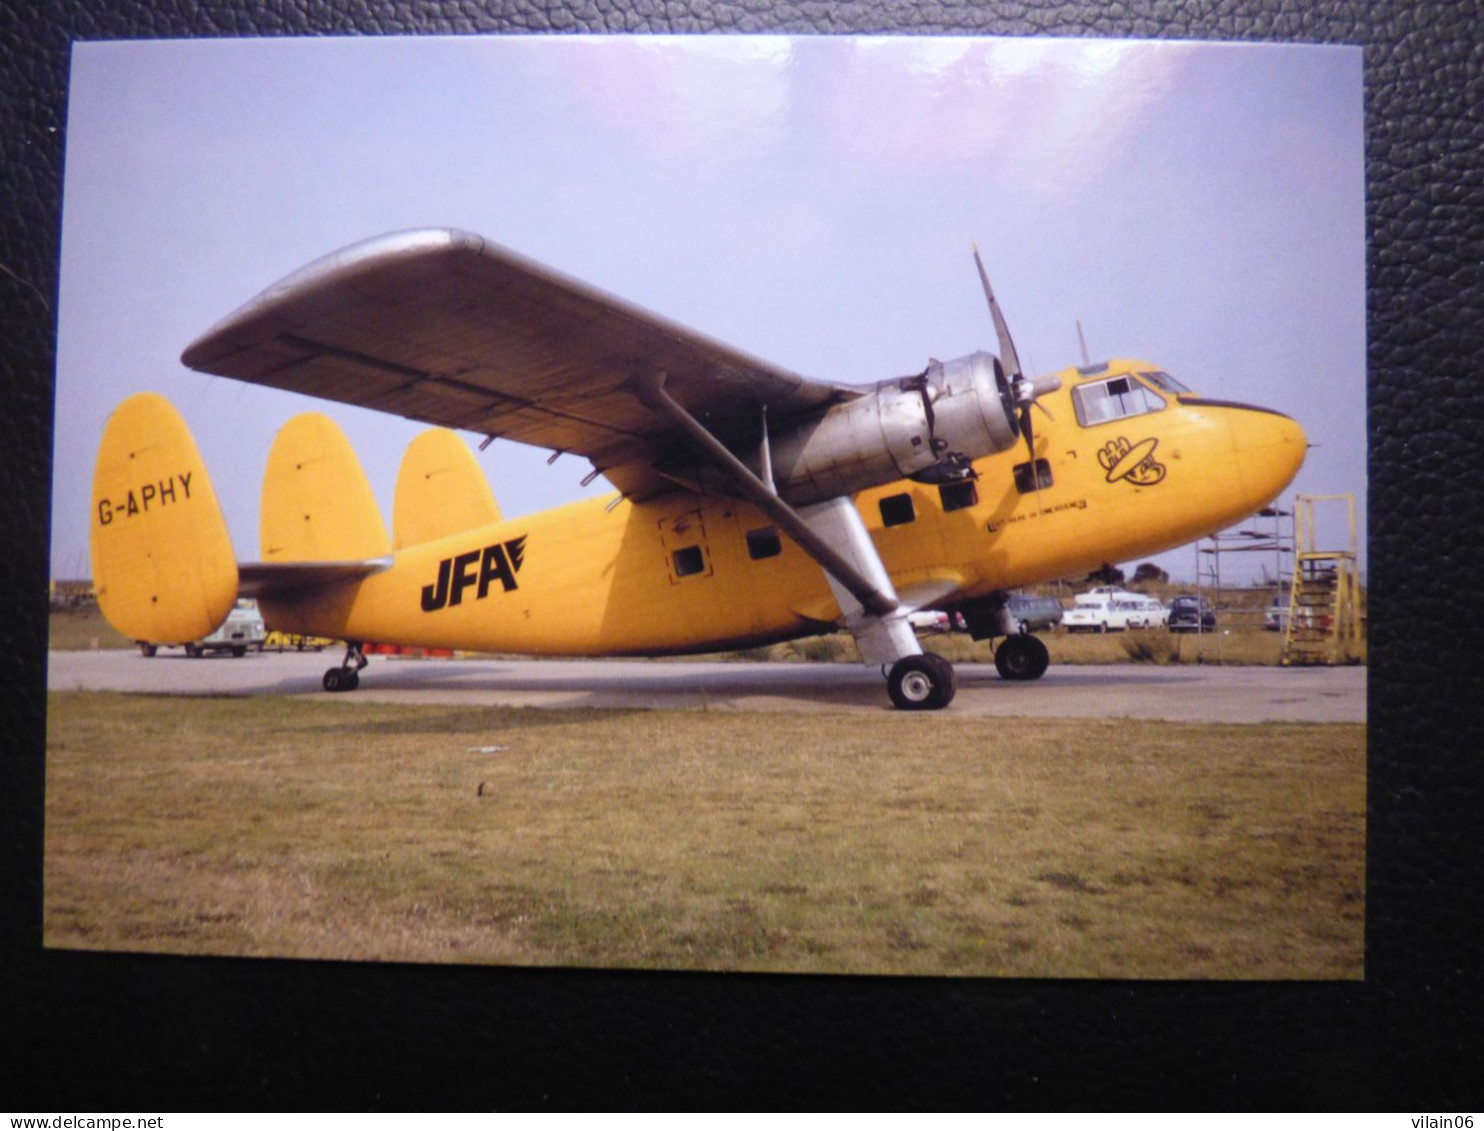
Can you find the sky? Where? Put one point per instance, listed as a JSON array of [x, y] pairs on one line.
[[809, 200]]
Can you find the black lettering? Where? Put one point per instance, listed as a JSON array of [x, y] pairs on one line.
[[185, 481], [147, 492], [499, 562], [494, 565], [105, 512], [167, 490], [133, 507], [462, 576], [516, 550], [435, 597]]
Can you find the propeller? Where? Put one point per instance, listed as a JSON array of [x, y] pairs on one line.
[[1022, 389]]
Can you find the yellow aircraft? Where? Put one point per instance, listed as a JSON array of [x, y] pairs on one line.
[[753, 505]]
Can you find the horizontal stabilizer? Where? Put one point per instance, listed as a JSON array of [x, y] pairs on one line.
[[279, 580], [163, 566]]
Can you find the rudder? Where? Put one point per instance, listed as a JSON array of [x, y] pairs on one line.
[[440, 491], [163, 566], [317, 505]]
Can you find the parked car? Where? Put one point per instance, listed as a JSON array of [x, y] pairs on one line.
[[1142, 612], [1191, 613], [1033, 614], [243, 629], [1110, 609], [930, 620]]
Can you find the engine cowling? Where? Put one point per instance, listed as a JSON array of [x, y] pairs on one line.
[[929, 426]]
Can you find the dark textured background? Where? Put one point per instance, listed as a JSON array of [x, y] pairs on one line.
[[121, 1032]]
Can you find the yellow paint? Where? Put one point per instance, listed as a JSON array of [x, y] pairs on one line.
[[582, 579], [163, 566], [317, 505], [440, 491]]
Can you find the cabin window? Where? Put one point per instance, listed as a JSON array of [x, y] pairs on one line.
[[896, 510], [1103, 401], [763, 543], [1032, 476], [957, 496], [688, 560]]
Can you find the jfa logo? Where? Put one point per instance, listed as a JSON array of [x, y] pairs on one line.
[[501, 562]]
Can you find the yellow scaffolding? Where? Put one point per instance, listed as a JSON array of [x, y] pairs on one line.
[[1324, 608]]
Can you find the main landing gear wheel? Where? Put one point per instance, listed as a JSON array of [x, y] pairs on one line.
[[339, 679], [1021, 657], [921, 683], [347, 677]]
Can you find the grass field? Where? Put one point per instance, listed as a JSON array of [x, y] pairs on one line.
[[689, 840]]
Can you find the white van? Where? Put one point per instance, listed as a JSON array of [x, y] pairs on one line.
[[243, 629]]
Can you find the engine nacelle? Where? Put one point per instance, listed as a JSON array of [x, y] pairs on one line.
[[956, 411]]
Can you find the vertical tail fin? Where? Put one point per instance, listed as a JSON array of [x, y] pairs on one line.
[[440, 491], [163, 566], [317, 505]]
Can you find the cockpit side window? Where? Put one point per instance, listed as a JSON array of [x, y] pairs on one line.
[[1102, 401], [1164, 382]]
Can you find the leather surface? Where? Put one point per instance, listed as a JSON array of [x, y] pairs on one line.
[[122, 1032]]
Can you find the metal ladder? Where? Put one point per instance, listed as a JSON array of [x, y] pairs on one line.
[[1324, 598]]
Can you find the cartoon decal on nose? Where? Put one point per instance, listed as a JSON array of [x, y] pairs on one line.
[[1134, 462]]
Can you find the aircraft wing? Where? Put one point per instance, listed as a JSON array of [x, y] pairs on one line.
[[446, 327]]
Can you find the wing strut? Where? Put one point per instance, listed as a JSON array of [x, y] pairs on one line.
[[843, 548]]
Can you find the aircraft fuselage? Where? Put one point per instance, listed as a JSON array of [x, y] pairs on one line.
[[1127, 465]]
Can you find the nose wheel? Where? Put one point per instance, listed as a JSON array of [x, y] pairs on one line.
[[347, 677], [921, 683]]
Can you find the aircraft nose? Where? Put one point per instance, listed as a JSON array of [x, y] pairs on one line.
[[1270, 449]]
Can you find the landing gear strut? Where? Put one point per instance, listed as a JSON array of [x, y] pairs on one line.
[[1021, 657], [347, 677], [921, 683]]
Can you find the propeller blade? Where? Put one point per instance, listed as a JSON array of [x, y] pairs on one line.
[[1008, 357], [1081, 341], [1023, 390]]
